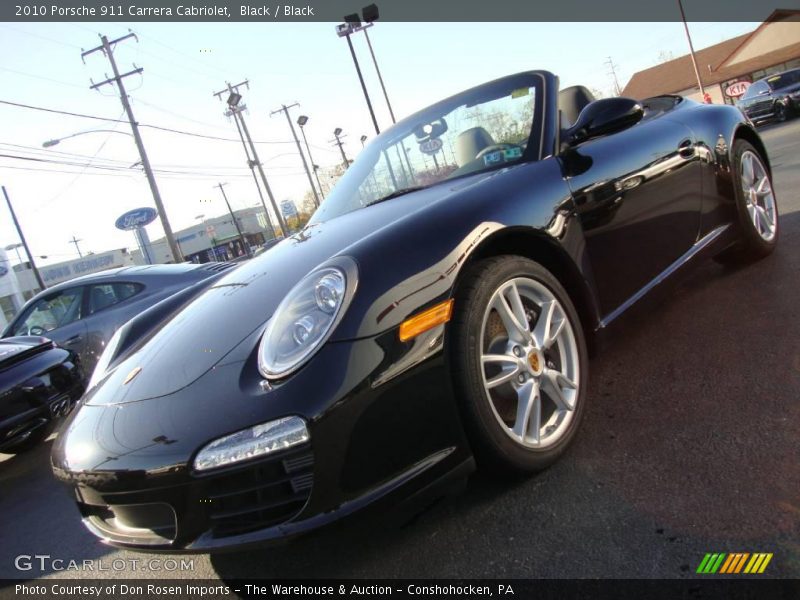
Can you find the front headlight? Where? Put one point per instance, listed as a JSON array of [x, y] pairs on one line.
[[306, 318], [251, 443]]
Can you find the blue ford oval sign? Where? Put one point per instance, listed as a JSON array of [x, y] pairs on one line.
[[138, 217]]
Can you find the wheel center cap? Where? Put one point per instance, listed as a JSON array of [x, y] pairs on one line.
[[536, 362]]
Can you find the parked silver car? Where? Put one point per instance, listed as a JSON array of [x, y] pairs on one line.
[[83, 313]]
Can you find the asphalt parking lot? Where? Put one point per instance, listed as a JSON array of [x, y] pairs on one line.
[[690, 445]]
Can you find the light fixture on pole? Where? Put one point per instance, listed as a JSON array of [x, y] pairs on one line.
[[301, 121], [363, 140], [56, 141], [344, 30], [337, 133], [370, 14]]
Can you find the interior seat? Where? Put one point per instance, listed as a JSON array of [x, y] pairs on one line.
[[571, 101], [470, 142]]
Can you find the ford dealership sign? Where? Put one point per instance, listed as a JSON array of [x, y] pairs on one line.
[[138, 217]]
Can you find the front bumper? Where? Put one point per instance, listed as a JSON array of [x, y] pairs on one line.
[[382, 423]]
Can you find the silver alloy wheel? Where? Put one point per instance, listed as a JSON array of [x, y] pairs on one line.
[[529, 362], [758, 195]]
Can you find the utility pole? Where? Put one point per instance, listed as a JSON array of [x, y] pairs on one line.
[[338, 142], [235, 110], [285, 110], [252, 164], [24, 243], [78, 248], [613, 72], [691, 50], [108, 49], [245, 245]]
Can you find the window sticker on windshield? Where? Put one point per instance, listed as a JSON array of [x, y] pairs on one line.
[[512, 153], [520, 92]]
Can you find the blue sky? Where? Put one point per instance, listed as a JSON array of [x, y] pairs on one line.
[[285, 63]]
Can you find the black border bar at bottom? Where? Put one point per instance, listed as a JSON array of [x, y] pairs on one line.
[[750, 588]]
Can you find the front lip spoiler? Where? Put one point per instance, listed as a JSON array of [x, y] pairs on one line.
[[206, 543]]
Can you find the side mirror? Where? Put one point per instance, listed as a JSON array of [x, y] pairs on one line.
[[602, 117]]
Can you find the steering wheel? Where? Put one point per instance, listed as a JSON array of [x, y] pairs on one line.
[[36, 330], [495, 148]]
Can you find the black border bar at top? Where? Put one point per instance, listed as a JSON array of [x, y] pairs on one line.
[[484, 11]]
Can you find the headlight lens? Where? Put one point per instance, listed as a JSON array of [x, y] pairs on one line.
[[251, 443], [305, 319]]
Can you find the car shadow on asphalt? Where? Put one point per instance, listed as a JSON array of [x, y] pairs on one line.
[[39, 517]]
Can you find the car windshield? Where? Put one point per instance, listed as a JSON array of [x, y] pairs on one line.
[[784, 79], [478, 130]]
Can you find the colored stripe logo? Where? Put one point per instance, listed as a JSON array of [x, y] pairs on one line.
[[734, 563]]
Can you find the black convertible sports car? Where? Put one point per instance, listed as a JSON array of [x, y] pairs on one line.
[[438, 308], [39, 382]]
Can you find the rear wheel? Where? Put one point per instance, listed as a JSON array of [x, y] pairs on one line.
[[756, 208], [519, 363]]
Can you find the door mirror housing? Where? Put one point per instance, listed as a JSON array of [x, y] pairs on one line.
[[603, 117]]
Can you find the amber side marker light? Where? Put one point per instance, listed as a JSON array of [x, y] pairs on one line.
[[437, 315]]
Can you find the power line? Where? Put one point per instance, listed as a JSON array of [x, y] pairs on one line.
[[49, 79], [158, 127]]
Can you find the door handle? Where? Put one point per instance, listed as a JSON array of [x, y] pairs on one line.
[[686, 149]]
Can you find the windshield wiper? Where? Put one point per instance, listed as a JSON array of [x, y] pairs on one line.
[[396, 193]]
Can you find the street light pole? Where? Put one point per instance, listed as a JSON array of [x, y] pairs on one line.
[[245, 245], [345, 30], [336, 133], [301, 121], [380, 77], [285, 110], [691, 50], [24, 243]]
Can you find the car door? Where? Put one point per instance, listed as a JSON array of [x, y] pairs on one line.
[[57, 316], [638, 195]]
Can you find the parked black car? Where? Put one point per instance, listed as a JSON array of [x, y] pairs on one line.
[[83, 313], [432, 312], [39, 382], [776, 97]]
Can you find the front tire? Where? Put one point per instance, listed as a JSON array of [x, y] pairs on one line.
[[519, 363], [756, 207]]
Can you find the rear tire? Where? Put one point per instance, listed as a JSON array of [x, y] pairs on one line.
[[520, 371], [756, 208]]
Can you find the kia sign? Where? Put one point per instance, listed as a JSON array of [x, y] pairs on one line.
[[737, 89], [431, 146], [136, 218]]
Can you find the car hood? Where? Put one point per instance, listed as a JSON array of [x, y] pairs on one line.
[[206, 333]]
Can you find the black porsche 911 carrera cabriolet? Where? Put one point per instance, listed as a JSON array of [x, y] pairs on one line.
[[437, 312]]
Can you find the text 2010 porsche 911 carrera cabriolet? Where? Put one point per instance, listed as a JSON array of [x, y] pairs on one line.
[[435, 313]]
